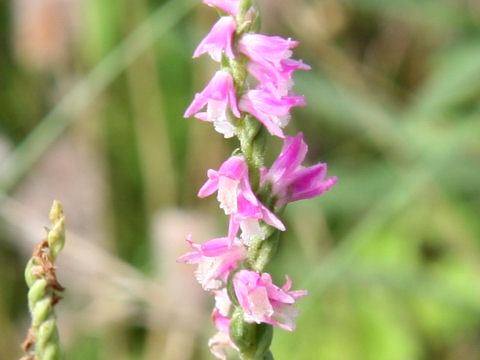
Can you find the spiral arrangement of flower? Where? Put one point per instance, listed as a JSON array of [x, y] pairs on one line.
[[249, 97]]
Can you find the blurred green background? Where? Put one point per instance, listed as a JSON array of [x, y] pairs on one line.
[[91, 97]]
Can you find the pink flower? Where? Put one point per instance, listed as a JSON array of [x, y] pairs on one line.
[[226, 181], [277, 81], [229, 6], [218, 95], [262, 301], [237, 199], [247, 217], [270, 61], [221, 339], [219, 39], [291, 181], [272, 112], [216, 258], [269, 51]]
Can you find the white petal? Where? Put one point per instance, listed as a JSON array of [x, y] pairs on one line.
[[251, 231], [281, 121], [222, 302], [260, 305], [288, 314], [216, 110], [227, 194], [206, 267], [224, 127]]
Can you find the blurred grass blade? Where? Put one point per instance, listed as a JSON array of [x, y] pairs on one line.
[[88, 89], [454, 81]]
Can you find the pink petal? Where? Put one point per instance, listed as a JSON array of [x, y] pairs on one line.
[[234, 168], [292, 154], [233, 227], [222, 323], [269, 110], [266, 49], [203, 116], [190, 258], [220, 89], [218, 39], [271, 219], [298, 294], [229, 6], [247, 191], [309, 182], [210, 186], [215, 247], [275, 322], [288, 283], [241, 289]]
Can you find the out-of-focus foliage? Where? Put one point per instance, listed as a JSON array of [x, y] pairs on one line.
[[92, 95]]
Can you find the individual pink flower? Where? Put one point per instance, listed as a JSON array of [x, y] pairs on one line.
[[216, 258], [229, 6], [218, 40], [291, 181], [272, 112], [268, 51], [270, 61], [237, 199], [218, 96], [226, 182], [277, 81], [262, 301], [221, 340], [247, 218]]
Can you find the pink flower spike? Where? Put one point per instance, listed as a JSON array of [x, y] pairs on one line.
[[229, 6], [290, 181], [218, 95], [218, 40], [216, 258], [262, 301], [272, 112]]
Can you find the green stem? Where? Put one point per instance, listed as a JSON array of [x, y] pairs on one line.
[[252, 144], [243, 7], [253, 340], [261, 252]]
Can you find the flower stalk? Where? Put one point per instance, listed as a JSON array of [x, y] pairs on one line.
[[43, 341], [250, 97]]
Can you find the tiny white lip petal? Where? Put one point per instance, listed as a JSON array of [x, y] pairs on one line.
[[227, 194], [251, 231]]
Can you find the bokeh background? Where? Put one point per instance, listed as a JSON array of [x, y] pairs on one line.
[[91, 101]]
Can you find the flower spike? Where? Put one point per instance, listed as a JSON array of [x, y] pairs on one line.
[[247, 302]]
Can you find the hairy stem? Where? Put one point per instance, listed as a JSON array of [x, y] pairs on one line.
[[253, 340]]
